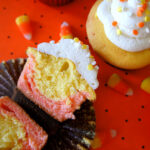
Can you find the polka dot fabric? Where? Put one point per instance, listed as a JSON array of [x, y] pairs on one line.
[[128, 116]]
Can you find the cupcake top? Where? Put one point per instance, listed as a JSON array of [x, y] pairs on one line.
[[126, 23], [78, 53]]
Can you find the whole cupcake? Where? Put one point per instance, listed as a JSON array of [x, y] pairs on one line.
[[56, 2], [119, 31]]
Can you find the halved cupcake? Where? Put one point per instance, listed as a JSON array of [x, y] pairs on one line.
[[59, 77], [17, 130]]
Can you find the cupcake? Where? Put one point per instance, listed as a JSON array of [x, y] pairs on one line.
[[56, 86], [119, 31], [59, 77], [71, 134], [56, 2], [17, 129]]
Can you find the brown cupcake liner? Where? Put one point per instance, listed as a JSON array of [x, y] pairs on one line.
[[69, 135], [56, 2]]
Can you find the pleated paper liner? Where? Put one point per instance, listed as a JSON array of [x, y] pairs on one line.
[[69, 135]]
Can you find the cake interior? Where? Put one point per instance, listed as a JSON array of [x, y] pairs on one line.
[[12, 133], [58, 78]]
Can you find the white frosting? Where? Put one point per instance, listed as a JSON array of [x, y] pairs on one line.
[[68, 48], [128, 21]]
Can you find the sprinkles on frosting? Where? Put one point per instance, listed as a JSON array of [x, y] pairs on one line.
[[90, 67], [141, 24], [119, 9], [141, 10], [119, 32], [126, 29], [76, 39], [114, 23], [84, 46], [135, 32]]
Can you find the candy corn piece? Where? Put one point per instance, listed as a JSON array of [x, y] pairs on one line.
[[103, 138], [65, 31], [145, 85], [117, 83], [24, 26]]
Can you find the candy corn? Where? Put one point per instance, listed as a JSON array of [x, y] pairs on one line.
[[117, 83], [24, 26], [65, 31], [145, 85], [103, 138]]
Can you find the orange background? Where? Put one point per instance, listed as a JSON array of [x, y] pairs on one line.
[[129, 116]]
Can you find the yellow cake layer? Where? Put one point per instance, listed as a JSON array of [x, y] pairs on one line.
[[11, 131], [58, 78]]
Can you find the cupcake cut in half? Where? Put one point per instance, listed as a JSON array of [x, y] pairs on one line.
[[17, 130], [59, 77]]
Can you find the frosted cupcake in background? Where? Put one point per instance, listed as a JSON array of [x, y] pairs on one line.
[[56, 2], [119, 31]]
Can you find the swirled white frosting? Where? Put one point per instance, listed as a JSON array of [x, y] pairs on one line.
[[127, 21]]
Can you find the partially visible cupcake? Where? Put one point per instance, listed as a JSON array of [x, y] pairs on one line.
[[56, 2], [17, 130], [59, 77]]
